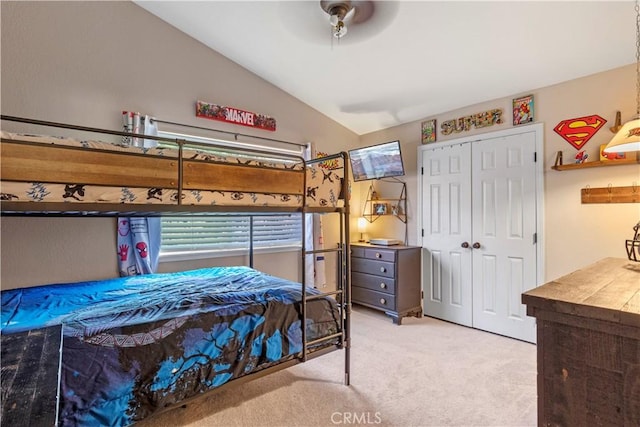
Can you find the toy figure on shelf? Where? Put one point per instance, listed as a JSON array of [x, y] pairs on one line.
[[581, 157]]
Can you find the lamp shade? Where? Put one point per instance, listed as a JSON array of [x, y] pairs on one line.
[[627, 138], [362, 225]]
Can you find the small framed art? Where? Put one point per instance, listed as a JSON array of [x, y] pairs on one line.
[[429, 131], [380, 208], [523, 110]]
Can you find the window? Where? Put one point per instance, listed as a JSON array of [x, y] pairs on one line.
[[227, 234], [205, 236]]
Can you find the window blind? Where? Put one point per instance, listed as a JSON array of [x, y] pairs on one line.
[[189, 236], [228, 232]]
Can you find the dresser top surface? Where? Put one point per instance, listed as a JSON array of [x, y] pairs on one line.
[[393, 247], [608, 289]]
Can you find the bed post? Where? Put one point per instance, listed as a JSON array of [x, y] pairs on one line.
[[346, 286], [303, 254], [251, 241]]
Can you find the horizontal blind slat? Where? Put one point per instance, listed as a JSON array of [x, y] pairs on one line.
[[229, 232]]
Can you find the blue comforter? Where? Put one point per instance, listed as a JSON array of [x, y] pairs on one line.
[[132, 346], [97, 305]]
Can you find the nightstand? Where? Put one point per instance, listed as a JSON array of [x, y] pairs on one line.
[[387, 278]]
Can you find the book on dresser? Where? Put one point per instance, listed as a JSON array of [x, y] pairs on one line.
[[387, 278]]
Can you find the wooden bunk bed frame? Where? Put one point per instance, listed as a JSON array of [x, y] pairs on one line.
[[24, 161]]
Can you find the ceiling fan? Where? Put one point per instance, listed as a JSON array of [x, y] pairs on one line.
[[343, 12], [316, 22]]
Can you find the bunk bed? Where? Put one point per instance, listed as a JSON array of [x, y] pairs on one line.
[[113, 352]]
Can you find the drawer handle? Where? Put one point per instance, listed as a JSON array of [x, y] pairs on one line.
[[383, 270], [383, 285], [383, 301], [378, 255]]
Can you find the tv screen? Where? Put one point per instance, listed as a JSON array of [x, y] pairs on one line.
[[376, 161]]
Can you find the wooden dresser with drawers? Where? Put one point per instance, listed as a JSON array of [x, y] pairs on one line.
[[588, 346], [387, 278]]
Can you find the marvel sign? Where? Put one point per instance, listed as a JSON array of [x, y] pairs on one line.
[[210, 111]]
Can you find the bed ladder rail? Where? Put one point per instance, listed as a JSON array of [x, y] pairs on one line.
[[341, 336], [325, 294], [323, 339]]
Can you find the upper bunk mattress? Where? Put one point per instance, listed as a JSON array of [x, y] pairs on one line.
[[40, 168]]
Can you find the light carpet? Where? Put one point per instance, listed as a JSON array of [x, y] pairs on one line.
[[425, 372]]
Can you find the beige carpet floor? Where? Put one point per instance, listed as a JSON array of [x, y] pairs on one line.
[[425, 372]]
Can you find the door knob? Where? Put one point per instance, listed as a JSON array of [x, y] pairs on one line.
[[476, 245], [465, 245]]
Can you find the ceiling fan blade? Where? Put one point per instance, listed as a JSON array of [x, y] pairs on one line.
[[348, 18], [362, 11], [339, 8]]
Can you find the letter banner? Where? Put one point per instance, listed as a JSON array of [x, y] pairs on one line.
[[234, 115]]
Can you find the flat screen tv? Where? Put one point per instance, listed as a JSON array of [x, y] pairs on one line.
[[376, 161]]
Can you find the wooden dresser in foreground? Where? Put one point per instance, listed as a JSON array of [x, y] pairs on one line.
[[588, 326], [387, 278]]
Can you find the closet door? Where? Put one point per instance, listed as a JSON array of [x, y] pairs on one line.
[[446, 211], [504, 227]]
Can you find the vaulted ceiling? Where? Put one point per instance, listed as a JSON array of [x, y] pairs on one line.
[[411, 59]]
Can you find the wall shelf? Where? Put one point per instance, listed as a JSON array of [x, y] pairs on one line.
[[597, 164], [376, 206]]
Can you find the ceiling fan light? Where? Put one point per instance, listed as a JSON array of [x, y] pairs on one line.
[[334, 19], [339, 30], [626, 139]]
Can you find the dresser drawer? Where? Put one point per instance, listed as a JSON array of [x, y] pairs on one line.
[[375, 298], [376, 283], [380, 254], [378, 268], [373, 253], [357, 251]]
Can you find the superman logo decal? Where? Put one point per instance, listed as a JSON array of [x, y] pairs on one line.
[[578, 131]]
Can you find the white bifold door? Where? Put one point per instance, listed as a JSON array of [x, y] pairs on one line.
[[479, 231]]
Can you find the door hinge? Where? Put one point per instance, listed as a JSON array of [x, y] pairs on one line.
[[535, 156], [422, 232], [535, 238], [422, 171]]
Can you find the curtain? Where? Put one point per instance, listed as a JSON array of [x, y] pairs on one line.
[[320, 278], [138, 238], [133, 122], [138, 245], [314, 239]]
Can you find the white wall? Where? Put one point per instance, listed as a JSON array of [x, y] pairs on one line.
[[85, 62], [575, 234]]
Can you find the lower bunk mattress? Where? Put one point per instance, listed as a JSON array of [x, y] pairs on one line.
[[133, 346]]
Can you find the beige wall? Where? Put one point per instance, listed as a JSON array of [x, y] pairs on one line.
[[85, 62], [575, 234]]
